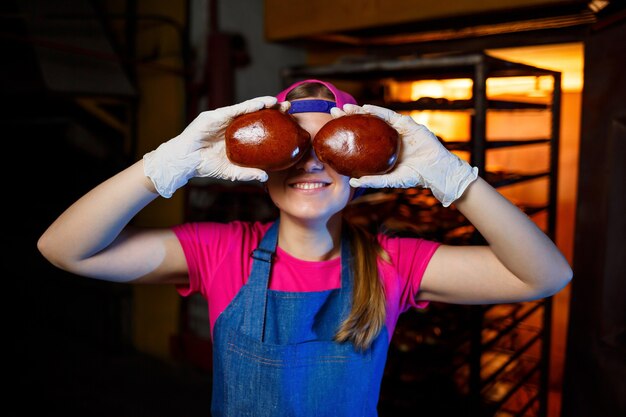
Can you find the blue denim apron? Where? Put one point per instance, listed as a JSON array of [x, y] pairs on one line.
[[274, 353]]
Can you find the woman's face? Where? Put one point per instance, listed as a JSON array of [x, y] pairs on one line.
[[309, 190]]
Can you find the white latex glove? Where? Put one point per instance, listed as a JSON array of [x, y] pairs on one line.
[[200, 151], [423, 161]]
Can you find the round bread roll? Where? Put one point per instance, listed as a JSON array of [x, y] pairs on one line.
[[266, 139], [358, 145]]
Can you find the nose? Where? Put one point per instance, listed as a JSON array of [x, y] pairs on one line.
[[310, 162]]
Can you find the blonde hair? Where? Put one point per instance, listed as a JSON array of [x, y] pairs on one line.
[[368, 313]]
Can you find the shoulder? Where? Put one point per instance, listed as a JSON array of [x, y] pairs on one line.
[[401, 246]]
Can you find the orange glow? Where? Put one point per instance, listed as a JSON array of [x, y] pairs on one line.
[[566, 58], [455, 89], [461, 88], [525, 87], [455, 125], [448, 125]]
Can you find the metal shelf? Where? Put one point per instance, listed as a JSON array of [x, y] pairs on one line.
[[411, 68], [521, 381], [502, 179], [466, 146], [512, 358], [514, 323]]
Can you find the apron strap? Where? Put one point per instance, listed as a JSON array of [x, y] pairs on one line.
[[258, 281], [347, 278]]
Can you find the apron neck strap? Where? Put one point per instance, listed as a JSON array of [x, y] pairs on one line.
[[258, 281]]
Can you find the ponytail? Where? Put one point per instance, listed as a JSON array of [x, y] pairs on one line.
[[368, 313]]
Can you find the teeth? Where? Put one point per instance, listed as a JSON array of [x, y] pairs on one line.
[[309, 185]]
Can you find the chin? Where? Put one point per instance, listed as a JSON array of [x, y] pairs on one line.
[[311, 213]]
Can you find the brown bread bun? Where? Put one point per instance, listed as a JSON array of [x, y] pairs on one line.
[[358, 145], [266, 139]]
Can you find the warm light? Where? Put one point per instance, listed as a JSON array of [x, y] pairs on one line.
[[447, 125], [522, 86], [461, 88], [426, 89], [456, 89], [597, 5], [567, 58]]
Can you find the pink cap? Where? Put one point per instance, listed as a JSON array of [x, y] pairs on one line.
[[341, 97]]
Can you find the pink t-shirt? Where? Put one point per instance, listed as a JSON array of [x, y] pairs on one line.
[[219, 261]]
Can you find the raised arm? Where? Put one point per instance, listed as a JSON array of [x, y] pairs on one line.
[[519, 262], [92, 238]]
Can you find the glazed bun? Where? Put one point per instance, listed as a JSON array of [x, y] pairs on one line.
[[358, 145], [266, 139]]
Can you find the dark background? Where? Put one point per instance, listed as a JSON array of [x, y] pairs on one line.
[[70, 339]]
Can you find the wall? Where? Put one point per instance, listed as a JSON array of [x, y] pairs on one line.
[[245, 17], [161, 115], [262, 76]]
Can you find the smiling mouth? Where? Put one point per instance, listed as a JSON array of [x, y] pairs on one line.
[[309, 185]]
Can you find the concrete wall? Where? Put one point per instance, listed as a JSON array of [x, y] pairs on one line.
[[246, 17]]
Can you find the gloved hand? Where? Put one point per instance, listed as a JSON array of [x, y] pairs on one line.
[[423, 161], [200, 151]]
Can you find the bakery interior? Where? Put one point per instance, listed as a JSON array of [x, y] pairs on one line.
[[531, 91]]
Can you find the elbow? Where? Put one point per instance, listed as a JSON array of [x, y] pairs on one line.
[[557, 281], [563, 277], [46, 249], [43, 247]]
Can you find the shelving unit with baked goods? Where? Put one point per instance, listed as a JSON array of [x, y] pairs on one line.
[[503, 117]]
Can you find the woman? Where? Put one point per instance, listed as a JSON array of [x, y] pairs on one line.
[[302, 309]]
